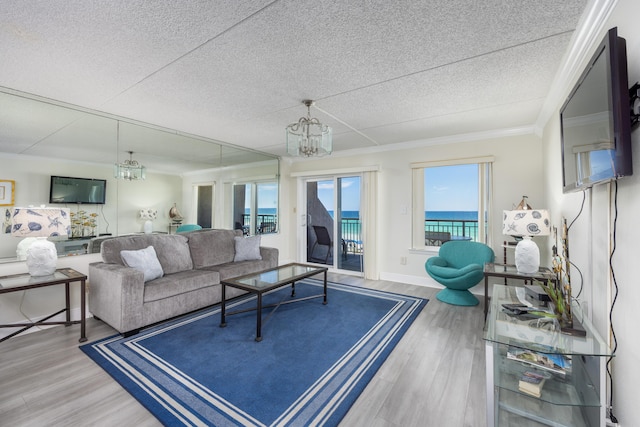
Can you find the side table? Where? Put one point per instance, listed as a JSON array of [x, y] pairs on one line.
[[511, 272], [21, 282]]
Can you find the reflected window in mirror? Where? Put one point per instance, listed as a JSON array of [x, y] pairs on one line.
[[255, 207], [204, 205]]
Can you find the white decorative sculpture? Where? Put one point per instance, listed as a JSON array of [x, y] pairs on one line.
[[42, 257]]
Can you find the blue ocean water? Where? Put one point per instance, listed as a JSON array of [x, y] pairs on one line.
[[429, 215], [451, 215]]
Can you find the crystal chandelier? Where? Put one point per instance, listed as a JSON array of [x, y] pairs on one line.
[[308, 137], [129, 169]]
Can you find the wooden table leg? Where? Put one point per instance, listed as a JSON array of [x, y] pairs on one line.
[[486, 296], [325, 288], [223, 322], [83, 314], [67, 300], [259, 318]]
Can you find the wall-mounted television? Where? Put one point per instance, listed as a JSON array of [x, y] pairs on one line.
[[595, 120], [65, 189]]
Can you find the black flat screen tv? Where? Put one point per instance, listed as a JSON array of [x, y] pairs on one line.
[[595, 120], [65, 189]]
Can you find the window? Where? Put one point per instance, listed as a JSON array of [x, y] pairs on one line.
[[451, 201], [255, 207]]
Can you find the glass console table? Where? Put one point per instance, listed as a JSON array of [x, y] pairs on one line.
[[507, 271], [573, 395]]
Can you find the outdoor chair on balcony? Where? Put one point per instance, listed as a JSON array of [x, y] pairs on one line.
[[436, 238], [459, 266], [323, 238]]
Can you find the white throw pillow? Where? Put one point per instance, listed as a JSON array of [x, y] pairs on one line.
[[144, 260], [247, 248]]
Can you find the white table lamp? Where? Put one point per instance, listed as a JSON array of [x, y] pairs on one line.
[[526, 223], [148, 215], [40, 223]]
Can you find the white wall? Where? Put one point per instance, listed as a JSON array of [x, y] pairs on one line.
[[591, 237]]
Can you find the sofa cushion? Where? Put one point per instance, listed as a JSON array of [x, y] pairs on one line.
[[247, 248], [172, 250], [212, 247], [144, 260], [174, 284], [235, 269]]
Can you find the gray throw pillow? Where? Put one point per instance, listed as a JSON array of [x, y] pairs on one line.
[[247, 248], [144, 260]]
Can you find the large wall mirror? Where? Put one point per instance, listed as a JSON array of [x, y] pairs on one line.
[[41, 138]]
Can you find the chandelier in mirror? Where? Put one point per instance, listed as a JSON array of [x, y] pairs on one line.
[[129, 169], [308, 137]]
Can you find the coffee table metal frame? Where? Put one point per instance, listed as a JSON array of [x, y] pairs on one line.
[[263, 283]]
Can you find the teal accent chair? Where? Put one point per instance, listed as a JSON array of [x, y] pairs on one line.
[[188, 227], [459, 266]]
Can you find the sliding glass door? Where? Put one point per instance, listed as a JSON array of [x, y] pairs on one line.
[[333, 222]]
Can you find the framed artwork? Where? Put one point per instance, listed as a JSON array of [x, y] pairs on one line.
[[7, 192]]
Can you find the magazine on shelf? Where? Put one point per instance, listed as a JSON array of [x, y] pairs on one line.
[[557, 363]]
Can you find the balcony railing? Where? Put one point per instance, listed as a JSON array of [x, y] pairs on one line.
[[265, 223], [438, 231], [351, 235]]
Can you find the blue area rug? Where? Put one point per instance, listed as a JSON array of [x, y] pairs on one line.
[[313, 362]]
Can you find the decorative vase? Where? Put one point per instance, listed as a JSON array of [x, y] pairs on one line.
[[148, 227]]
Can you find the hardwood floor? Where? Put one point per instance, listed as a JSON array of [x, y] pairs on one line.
[[434, 377]]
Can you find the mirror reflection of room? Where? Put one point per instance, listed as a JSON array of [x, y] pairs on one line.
[[106, 169]]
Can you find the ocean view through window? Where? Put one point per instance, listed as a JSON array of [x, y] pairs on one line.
[[256, 207], [454, 198]]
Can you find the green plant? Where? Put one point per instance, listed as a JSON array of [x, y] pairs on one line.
[[556, 295]]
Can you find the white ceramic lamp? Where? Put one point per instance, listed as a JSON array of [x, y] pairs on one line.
[[148, 215], [40, 223], [526, 224]]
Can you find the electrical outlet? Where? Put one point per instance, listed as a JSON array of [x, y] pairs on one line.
[[403, 260]]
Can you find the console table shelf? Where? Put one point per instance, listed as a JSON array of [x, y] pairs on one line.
[[569, 397]]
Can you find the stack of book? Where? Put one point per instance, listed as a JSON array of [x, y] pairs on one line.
[[531, 383]]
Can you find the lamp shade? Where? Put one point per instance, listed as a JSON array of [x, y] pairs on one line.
[[148, 214], [527, 223], [533, 222], [41, 254], [40, 222]]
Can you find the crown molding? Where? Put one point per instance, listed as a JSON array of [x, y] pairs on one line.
[[585, 38]]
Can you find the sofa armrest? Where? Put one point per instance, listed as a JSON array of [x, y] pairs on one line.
[[116, 295], [270, 255]]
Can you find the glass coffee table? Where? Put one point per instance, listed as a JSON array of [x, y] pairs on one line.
[[268, 280]]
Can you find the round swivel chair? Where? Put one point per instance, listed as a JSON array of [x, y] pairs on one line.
[[459, 266]]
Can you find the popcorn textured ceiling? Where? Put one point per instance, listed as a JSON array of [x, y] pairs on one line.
[[237, 71]]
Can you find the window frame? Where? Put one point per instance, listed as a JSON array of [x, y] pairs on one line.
[[485, 196], [253, 226]]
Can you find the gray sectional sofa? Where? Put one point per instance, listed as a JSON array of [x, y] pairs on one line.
[[192, 266]]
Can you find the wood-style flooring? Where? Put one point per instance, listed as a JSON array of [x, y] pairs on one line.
[[434, 377]]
